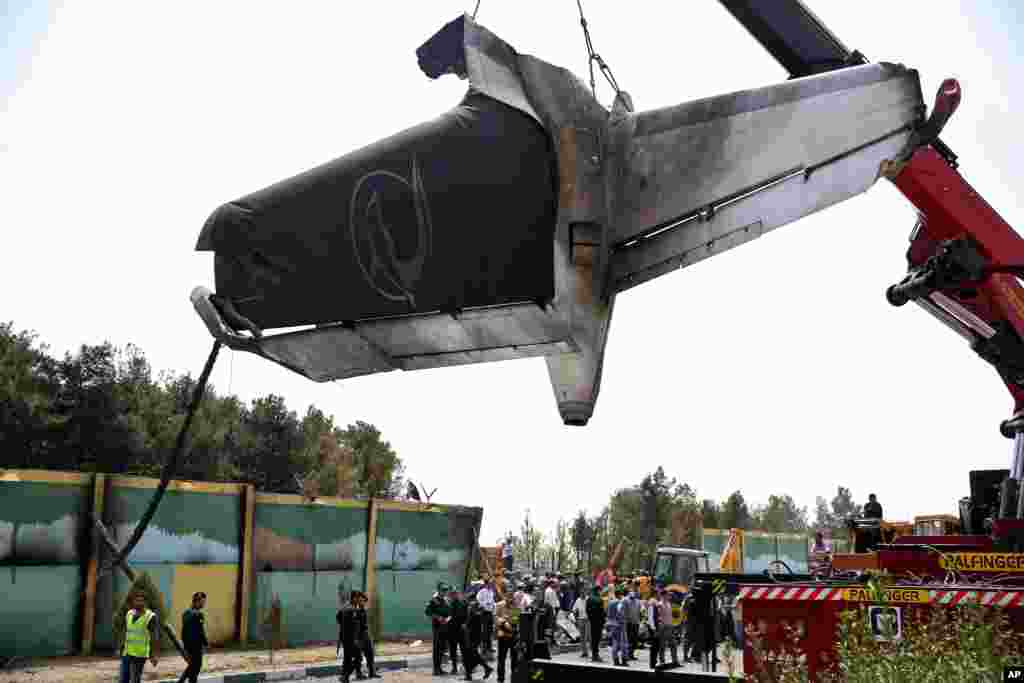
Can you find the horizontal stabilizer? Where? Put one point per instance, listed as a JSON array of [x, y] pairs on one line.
[[706, 176], [332, 352]]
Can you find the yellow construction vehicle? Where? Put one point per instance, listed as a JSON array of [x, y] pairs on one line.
[[674, 568], [732, 554]]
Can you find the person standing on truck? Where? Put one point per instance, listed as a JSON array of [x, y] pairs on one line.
[[193, 637], [439, 612], [872, 508], [579, 611], [141, 640], [596, 616]]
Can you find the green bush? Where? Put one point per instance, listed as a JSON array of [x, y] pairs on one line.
[[964, 643], [154, 601], [941, 644]]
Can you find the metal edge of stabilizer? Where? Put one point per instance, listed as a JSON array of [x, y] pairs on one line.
[[202, 301]]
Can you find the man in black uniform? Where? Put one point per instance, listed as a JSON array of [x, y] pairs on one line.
[[364, 644], [457, 627], [439, 612], [471, 645], [193, 637], [348, 630], [873, 508], [596, 617], [695, 618]]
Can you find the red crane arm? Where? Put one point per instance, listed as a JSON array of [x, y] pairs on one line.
[[964, 259]]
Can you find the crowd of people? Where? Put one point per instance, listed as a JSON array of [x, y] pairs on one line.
[[615, 617], [466, 624]]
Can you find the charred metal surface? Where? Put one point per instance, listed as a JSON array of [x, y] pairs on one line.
[[470, 51], [576, 378], [706, 176], [579, 126], [638, 194], [686, 157]]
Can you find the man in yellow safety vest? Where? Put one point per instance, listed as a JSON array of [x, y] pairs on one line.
[[141, 640]]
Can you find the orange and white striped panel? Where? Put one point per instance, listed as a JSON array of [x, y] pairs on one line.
[[1003, 598], [950, 598], [801, 593]]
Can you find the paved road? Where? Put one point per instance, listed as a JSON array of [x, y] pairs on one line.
[[642, 663], [424, 675], [399, 677]]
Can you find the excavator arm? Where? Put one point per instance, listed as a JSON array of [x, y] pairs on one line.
[[963, 259]]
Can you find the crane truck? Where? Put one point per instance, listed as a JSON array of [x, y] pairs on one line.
[[597, 201], [963, 264]]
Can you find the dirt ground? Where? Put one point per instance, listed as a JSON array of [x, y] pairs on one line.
[[106, 668]]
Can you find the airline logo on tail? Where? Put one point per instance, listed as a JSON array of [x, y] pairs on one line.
[[382, 227]]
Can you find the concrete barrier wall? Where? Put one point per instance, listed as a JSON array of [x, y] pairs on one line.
[[309, 556], [42, 545], [191, 545], [415, 550], [239, 547]]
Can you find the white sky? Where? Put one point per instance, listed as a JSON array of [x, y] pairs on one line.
[[777, 367]]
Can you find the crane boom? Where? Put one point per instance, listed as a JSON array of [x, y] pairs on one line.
[[964, 257], [793, 35]]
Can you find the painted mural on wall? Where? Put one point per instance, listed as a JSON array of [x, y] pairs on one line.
[[43, 541], [43, 523], [188, 528], [414, 551], [311, 556], [191, 528], [309, 537]]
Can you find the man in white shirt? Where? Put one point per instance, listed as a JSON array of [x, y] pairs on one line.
[[579, 611], [485, 598], [551, 597]]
